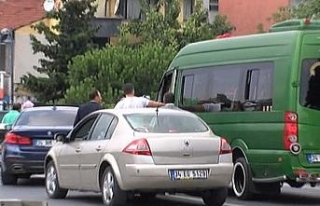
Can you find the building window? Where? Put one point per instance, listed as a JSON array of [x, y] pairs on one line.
[[188, 7], [213, 9], [128, 9], [214, 5], [296, 2]]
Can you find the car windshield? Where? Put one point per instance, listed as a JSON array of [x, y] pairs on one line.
[[47, 118], [166, 123]]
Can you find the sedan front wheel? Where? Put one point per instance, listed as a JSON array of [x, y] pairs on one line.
[[52, 184]]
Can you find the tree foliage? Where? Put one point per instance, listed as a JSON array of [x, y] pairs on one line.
[[108, 68], [160, 36], [71, 36], [306, 9]]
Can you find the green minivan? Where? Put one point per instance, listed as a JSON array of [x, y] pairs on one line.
[[261, 92]]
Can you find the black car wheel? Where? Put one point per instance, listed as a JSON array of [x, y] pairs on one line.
[[215, 197], [7, 178], [242, 180]]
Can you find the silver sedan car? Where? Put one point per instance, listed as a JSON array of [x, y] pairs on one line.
[[142, 152]]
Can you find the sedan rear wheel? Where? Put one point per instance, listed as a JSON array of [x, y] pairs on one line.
[[112, 195], [7, 178], [215, 197], [52, 184]]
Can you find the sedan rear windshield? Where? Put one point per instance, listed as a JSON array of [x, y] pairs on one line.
[[47, 118], [166, 123], [310, 84]]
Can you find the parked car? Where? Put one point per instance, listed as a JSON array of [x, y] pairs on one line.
[[123, 153], [31, 136]]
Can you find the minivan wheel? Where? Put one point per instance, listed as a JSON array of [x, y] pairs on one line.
[[8, 179], [112, 195], [215, 197], [52, 183], [242, 180]]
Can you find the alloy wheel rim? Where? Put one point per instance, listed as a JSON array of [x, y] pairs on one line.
[[51, 180], [108, 187], [239, 179]]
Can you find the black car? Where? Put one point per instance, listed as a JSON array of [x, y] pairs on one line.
[[27, 143]]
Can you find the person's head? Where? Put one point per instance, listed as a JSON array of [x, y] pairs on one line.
[[28, 98], [16, 106], [128, 89], [95, 96], [168, 98]]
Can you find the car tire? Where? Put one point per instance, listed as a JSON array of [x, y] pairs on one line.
[[147, 196], [242, 180], [7, 178], [52, 183], [112, 195], [215, 197]]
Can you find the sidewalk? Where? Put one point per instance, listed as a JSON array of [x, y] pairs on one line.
[[18, 202]]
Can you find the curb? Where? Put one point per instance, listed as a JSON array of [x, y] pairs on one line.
[[18, 202]]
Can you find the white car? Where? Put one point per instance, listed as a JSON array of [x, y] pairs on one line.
[[141, 151]]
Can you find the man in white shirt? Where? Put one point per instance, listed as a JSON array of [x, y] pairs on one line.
[[131, 101], [27, 104]]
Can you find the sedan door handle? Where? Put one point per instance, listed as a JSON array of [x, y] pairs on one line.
[[98, 149], [78, 150]]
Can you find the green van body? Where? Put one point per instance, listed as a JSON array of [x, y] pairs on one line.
[[292, 49]]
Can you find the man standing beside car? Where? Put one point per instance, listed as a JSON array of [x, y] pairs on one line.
[[132, 101], [93, 105], [11, 116]]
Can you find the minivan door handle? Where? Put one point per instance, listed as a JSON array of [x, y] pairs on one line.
[[78, 150]]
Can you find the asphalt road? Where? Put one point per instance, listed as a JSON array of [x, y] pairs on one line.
[[34, 190]]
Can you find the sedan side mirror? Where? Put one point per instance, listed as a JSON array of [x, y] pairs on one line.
[[60, 137], [8, 127]]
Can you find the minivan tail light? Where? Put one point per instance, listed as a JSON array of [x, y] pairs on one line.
[[138, 147], [12, 138], [225, 147], [290, 133]]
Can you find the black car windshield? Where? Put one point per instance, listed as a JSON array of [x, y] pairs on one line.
[[47, 118], [166, 123]]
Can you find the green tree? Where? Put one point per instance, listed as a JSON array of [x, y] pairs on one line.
[[71, 36], [107, 69], [306, 9]]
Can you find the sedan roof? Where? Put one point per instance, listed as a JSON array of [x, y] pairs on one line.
[[146, 111]]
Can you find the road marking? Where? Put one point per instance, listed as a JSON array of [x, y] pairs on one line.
[[189, 199]]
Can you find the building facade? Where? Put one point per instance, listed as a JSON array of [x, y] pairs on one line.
[[250, 16]]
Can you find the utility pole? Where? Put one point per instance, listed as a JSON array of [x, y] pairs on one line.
[[7, 39]]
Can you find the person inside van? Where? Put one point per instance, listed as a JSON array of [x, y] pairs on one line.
[[313, 94], [169, 101]]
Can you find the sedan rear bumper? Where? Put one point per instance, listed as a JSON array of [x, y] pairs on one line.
[[23, 166], [156, 177]]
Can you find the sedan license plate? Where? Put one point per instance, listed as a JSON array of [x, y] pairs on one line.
[[188, 174], [44, 143]]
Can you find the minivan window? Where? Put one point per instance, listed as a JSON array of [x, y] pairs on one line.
[[243, 87], [310, 84]]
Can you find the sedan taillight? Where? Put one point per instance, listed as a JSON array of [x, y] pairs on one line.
[[138, 147], [12, 138], [225, 148]]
